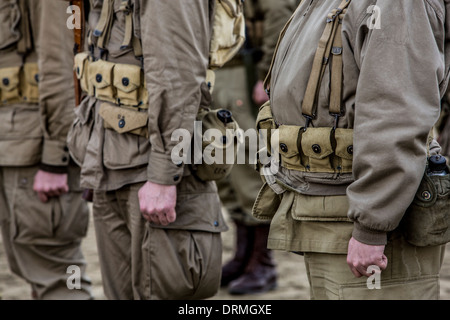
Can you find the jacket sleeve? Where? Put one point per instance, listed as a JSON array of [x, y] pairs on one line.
[[403, 75], [175, 38], [56, 86]]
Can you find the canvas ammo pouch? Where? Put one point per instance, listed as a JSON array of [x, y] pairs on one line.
[[123, 90], [221, 137], [427, 220], [307, 148], [19, 84], [228, 32]]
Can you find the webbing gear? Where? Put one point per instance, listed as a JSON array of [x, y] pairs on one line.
[[25, 43], [330, 43], [103, 29], [79, 34]]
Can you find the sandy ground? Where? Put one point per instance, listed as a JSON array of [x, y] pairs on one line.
[[292, 281]]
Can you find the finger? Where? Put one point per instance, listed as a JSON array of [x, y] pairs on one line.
[[43, 197], [383, 263], [171, 215], [355, 272], [154, 219], [363, 271], [163, 219]]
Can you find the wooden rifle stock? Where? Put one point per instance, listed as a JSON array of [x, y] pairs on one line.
[[79, 36]]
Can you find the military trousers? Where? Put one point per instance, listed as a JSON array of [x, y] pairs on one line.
[[143, 262], [239, 190], [42, 241], [412, 274]]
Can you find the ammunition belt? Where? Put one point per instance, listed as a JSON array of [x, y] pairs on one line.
[[119, 84], [318, 150], [19, 84]]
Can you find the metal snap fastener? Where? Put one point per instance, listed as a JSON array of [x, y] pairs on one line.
[[426, 195], [350, 149], [122, 123], [176, 178], [78, 70], [317, 149], [216, 223], [98, 78], [125, 82], [5, 81], [284, 147], [65, 159]]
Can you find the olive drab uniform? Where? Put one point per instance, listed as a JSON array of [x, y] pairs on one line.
[[144, 76], [252, 268], [353, 118], [42, 240]]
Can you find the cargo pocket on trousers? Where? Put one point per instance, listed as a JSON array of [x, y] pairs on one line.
[[9, 85], [316, 145], [266, 204], [101, 76], [193, 258], [127, 80], [30, 83], [424, 288], [32, 220], [81, 131], [124, 127]]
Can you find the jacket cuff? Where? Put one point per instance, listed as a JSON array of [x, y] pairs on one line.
[[53, 169], [368, 236], [162, 170], [55, 153]]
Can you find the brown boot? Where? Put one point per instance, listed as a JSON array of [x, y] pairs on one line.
[[260, 275], [244, 246]]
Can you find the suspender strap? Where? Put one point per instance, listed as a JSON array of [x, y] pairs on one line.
[[25, 43], [103, 28], [130, 39], [336, 73], [321, 60]]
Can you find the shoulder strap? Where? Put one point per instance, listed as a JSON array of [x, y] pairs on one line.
[[330, 42]]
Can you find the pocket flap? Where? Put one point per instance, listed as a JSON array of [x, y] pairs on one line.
[[122, 119], [127, 78], [289, 141], [264, 119], [9, 78], [31, 71], [230, 7], [100, 73], [80, 64], [266, 204], [316, 143], [344, 143], [320, 208]]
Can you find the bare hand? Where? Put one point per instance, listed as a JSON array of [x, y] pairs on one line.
[[259, 94], [157, 203], [48, 185], [361, 256]]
